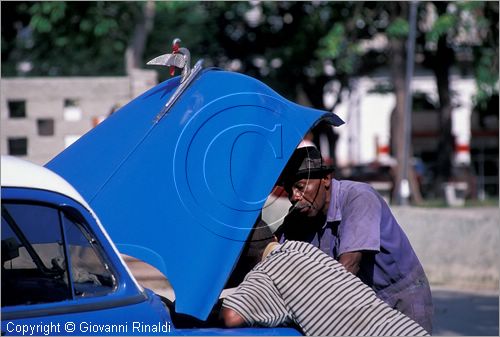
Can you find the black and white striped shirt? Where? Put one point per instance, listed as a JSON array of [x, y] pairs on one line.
[[299, 284]]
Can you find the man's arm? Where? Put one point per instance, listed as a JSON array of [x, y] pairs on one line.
[[231, 318], [351, 261], [256, 302]]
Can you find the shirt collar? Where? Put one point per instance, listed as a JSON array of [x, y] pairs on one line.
[[269, 248], [334, 213]]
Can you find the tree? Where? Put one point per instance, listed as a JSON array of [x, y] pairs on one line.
[[66, 39], [135, 50], [470, 28], [442, 60], [295, 47], [397, 33]]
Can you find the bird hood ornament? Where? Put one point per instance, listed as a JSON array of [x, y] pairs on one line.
[[179, 58]]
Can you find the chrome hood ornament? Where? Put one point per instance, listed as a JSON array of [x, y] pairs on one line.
[[179, 58]]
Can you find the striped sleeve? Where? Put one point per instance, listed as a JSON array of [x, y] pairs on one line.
[[326, 300], [257, 300]]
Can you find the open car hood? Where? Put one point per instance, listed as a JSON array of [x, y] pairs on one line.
[[182, 191]]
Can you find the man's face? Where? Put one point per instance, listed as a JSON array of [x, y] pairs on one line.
[[310, 197]]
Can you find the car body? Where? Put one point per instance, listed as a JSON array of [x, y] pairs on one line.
[[181, 173], [45, 223], [46, 226]]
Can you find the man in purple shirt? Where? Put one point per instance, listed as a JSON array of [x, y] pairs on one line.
[[352, 223]]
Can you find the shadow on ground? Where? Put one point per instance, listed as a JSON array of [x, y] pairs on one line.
[[465, 314]]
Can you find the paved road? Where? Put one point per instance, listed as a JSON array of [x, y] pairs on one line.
[[458, 313]]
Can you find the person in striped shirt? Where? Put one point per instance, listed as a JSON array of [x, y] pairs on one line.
[[296, 284]]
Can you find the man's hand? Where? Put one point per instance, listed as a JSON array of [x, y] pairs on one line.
[[351, 261], [231, 318]]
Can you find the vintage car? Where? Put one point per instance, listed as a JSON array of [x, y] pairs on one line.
[[180, 174], [61, 273]]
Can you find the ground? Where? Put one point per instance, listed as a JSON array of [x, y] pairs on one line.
[[465, 313]]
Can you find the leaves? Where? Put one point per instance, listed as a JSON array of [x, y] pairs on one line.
[[486, 79], [88, 38], [72, 38], [45, 14], [398, 29], [332, 45], [444, 24]]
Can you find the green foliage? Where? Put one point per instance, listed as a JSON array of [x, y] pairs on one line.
[[482, 20], [469, 5], [339, 47], [398, 29], [190, 22], [64, 38], [486, 79], [333, 44], [444, 24], [45, 15], [89, 38]]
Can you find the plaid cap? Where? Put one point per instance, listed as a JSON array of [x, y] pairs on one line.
[[306, 162]]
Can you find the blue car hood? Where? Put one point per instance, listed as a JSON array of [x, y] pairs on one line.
[[183, 193]]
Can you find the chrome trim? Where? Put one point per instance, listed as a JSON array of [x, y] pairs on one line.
[[75, 307], [182, 87]]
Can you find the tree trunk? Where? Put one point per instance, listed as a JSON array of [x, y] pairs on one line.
[[397, 66], [445, 150], [135, 49], [398, 116]]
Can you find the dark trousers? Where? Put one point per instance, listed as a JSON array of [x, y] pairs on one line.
[[411, 296]]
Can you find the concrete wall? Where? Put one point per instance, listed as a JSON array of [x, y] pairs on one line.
[[458, 247], [47, 99]]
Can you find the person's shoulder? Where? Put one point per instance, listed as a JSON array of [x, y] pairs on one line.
[[353, 189], [354, 185], [292, 245], [304, 252], [299, 249]]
